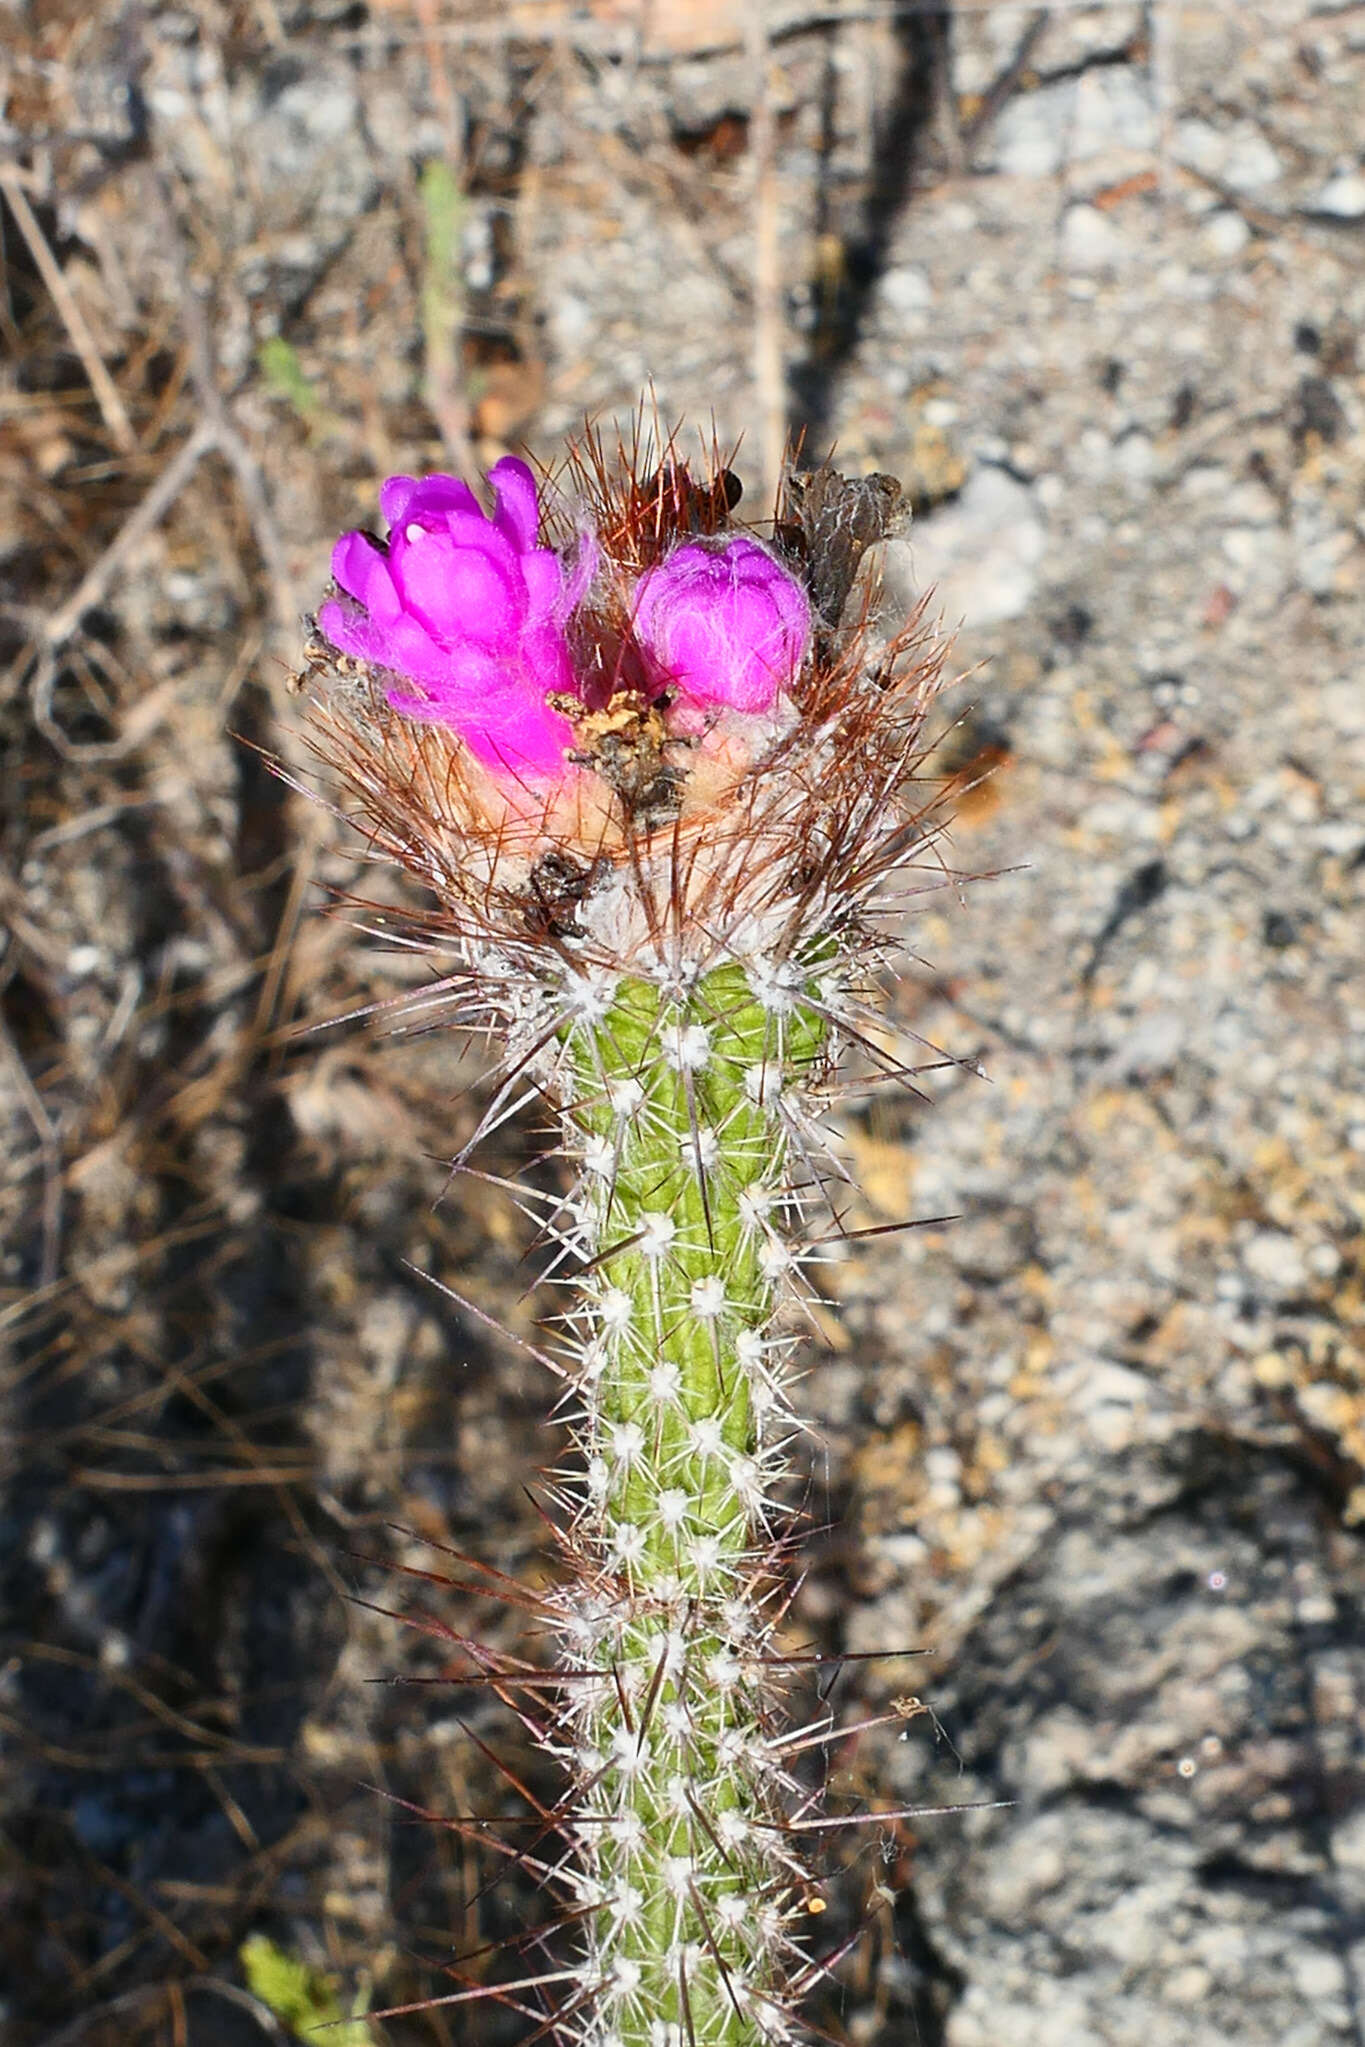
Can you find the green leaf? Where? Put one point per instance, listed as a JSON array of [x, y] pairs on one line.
[[301, 1998], [279, 364]]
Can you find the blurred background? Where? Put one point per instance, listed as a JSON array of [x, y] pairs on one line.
[[1090, 280]]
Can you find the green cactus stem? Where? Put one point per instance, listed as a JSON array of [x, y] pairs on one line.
[[683, 1106]]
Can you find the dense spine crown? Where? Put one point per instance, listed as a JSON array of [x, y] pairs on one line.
[[669, 923]]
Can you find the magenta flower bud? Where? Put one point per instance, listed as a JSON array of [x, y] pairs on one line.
[[726, 626], [468, 611]]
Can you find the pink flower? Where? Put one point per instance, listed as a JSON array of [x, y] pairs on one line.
[[467, 611], [726, 626]]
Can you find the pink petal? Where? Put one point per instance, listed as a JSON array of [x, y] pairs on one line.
[[728, 626], [362, 570], [506, 725], [462, 592], [523, 738], [463, 615], [343, 629], [394, 497], [427, 498], [544, 574], [397, 644], [453, 691], [545, 662], [517, 514]]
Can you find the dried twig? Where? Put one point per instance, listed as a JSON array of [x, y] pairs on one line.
[[50, 1149], [269, 16], [1165, 29], [1003, 88], [141, 521], [82, 340], [227, 439], [54, 631], [769, 375], [443, 309]]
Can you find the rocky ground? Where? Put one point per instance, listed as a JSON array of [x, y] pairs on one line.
[[1090, 280]]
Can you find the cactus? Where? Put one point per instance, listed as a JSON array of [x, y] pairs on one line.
[[655, 779]]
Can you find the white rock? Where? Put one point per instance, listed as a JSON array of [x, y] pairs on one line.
[[1348, 1842], [1033, 131], [1250, 503], [906, 292], [1343, 196], [1074, 119], [1238, 157], [1152, 1046], [1321, 545], [1251, 162], [1242, 546], [1135, 459], [1318, 1974], [1090, 240], [1113, 111], [980, 555], [1226, 233], [571, 322], [1274, 1258], [323, 108]]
